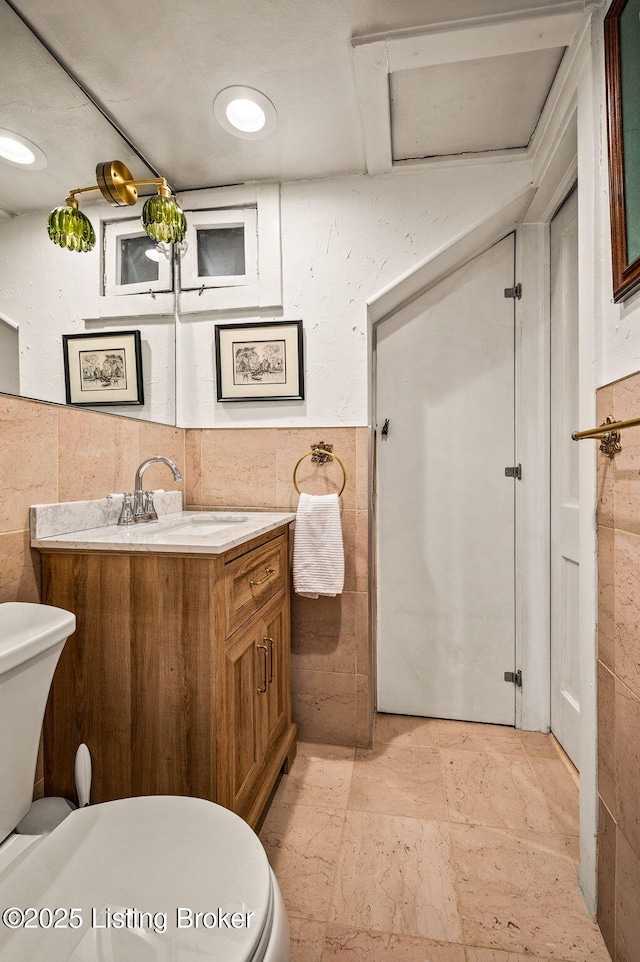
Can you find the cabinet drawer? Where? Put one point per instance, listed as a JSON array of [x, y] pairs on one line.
[[252, 579]]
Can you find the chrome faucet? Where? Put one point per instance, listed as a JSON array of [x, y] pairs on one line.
[[142, 508]]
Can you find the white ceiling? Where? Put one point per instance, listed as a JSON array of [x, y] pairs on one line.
[[155, 67], [39, 101]]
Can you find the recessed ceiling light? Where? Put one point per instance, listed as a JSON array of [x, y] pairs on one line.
[[17, 151], [246, 115], [10, 149], [245, 112]]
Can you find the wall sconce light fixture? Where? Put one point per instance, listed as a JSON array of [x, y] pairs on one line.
[[162, 219]]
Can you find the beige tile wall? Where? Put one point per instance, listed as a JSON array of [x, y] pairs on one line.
[[52, 453], [253, 468], [619, 678]]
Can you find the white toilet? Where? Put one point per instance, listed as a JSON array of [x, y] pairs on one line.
[[161, 878]]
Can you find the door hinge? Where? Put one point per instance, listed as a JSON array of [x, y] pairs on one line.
[[514, 472], [515, 677], [513, 291]]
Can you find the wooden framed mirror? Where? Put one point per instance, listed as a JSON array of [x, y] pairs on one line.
[[622, 65]]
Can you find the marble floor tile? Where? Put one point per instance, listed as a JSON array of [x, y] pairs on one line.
[[399, 781], [490, 955], [391, 879], [405, 731], [518, 893], [307, 940], [320, 775], [396, 875], [539, 744], [561, 792], [358, 946], [484, 788], [573, 850], [302, 845], [475, 737]]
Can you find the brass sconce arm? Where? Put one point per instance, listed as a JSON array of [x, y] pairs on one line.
[[162, 218], [125, 191], [70, 199], [160, 182]]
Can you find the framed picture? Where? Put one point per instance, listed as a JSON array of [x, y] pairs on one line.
[[622, 64], [103, 368], [260, 362]]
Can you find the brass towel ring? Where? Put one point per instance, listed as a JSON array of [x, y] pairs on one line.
[[333, 457]]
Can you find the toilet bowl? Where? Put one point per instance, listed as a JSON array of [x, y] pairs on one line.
[[149, 878]]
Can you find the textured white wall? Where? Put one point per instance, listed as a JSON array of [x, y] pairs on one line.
[[40, 289], [620, 349], [344, 239]]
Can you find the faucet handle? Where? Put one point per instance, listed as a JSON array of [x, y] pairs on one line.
[[149, 508], [126, 515]]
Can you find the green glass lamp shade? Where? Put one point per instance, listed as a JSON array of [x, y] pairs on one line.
[[68, 227], [163, 220]]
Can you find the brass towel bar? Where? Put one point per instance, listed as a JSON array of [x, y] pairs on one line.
[[320, 453], [609, 433]]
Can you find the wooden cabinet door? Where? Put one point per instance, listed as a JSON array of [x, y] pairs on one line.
[[256, 702], [245, 666], [273, 704]]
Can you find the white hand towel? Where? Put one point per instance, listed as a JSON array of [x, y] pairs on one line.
[[318, 551]]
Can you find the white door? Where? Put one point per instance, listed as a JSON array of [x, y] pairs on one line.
[[565, 667], [445, 510]]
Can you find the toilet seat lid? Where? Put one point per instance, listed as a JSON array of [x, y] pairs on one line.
[[27, 630], [155, 855]]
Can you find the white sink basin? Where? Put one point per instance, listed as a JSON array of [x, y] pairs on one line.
[[203, 526]]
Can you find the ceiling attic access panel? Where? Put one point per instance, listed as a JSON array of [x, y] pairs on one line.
[[475, 88], [470, 106]]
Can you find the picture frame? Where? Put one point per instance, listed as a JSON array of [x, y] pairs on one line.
[[259, 361], [622, 69], [103, 369]]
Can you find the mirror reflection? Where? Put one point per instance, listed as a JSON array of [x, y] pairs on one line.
[[45, 116]]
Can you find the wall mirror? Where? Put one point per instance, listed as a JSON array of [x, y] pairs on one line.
[[40, 284]]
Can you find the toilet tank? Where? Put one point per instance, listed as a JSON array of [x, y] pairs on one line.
[[31, 639]]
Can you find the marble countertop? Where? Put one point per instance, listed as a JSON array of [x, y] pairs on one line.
[[183, 532]]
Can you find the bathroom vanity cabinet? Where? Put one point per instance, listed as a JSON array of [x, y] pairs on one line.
[[178, 676]]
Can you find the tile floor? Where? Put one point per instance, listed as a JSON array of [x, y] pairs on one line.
[[448, 842]]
